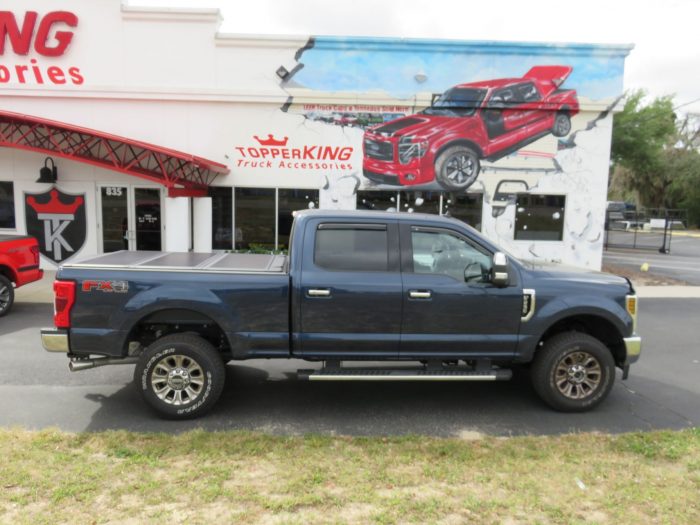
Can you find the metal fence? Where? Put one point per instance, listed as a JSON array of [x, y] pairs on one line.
[[645, 229]]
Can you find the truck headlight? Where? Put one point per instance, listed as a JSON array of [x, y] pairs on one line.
[[410, 149]]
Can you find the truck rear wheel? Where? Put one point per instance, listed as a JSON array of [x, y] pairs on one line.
[[180, 375], [457, 168], [573, 372], [7, 295]]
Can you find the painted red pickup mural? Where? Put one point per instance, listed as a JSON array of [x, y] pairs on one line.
[[469, 122]]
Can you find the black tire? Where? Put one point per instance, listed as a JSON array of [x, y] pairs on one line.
[[457, 168], [562, 124], [7, 295], [189, 372], [576, 363]]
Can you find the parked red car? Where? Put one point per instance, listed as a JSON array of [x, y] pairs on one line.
[[19, 265], [469, 122]]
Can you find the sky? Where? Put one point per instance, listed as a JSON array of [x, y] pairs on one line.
[[665, 33]]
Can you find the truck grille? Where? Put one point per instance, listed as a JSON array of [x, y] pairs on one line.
[[378, 150]]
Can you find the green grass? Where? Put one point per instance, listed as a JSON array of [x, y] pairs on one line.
[[241, 477]]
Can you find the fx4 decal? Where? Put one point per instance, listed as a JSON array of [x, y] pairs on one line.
[[106, 286]]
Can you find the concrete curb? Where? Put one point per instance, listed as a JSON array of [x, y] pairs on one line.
[[670, 292]]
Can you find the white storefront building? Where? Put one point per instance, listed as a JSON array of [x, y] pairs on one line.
[[168, 134]]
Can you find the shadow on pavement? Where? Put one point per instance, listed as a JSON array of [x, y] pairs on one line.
[[252, 402], [26, 315]]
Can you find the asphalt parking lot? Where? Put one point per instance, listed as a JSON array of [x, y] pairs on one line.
[[38, 391]]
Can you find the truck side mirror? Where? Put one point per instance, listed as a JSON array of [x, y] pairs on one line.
[[499, 271]]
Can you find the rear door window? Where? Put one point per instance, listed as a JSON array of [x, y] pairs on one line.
[[341, 247]]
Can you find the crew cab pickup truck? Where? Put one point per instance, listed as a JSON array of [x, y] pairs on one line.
[[469, 122], [357, 286], [19, 265]]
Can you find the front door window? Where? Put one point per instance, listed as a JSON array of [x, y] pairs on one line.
[[447, 254]]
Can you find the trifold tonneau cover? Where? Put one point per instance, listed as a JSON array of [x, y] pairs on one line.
[[185, 261]]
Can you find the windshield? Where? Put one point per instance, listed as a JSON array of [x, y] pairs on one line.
[[457, 102]]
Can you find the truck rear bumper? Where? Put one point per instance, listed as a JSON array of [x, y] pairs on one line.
[[633, 347], [55, 340]]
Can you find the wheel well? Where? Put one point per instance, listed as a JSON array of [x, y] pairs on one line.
[[460, 142], [7, 272], [565, 110], [595, 326], [172, 321]]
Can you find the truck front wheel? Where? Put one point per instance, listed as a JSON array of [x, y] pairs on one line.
[[562, 124], [573, 372], [180, 375], [457, 168]]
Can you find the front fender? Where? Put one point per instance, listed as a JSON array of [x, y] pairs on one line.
[[559, 309]]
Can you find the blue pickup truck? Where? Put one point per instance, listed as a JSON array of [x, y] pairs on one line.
[[426, 297]]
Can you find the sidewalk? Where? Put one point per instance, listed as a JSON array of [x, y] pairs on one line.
[[38, 291], [42, 291]]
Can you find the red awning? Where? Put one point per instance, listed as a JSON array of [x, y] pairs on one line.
[[183, 174]]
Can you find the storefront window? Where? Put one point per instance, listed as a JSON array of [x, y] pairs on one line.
[[289, 201], [466, 208], [7, 205], [420, 202], [255, 218], [222, 218], [539, 217], [377, 200]]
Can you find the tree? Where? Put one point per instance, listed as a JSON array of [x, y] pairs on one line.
[[683, 161], [641, 136]]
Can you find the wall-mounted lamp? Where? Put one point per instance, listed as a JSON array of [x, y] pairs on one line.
[[48, 175], [282, 72]]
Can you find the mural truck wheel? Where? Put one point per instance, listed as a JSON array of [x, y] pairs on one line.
[[457, 168], [7, 295], [562, 125]]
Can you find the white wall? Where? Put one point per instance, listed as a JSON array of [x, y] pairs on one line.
[[170, 79]]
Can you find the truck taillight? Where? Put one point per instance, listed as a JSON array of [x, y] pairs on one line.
[[64, 298], [35, 252]]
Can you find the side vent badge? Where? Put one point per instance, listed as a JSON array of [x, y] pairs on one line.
[[528, 305]]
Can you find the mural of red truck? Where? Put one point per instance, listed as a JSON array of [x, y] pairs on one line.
[[469, 122]]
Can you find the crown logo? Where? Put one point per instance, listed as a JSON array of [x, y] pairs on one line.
[[55, 206], [271, 141]]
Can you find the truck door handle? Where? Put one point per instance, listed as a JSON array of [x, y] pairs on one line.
[[420, 294], [318, 292]]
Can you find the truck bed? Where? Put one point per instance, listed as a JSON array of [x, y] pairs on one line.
[[4, 238], [185, 261]]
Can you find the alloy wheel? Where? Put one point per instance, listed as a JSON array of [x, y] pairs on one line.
[[177, 380], [578, 375]]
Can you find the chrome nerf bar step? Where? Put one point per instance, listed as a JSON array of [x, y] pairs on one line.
[[403, 374]]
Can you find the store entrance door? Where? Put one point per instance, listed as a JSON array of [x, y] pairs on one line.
[[130, 218]]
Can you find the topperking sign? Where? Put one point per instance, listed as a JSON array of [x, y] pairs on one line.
[[57, 220], [42, 37]]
